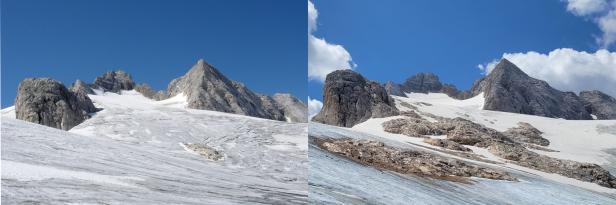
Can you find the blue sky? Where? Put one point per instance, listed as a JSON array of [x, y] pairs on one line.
[[259, 43], [391, 40]]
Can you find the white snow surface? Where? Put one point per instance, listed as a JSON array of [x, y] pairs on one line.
[[130, 153], [335, 180]]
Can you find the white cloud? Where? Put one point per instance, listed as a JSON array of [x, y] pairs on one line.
[[314, 107], [567, 69], [323, 57], [586, 7], [602, 12]]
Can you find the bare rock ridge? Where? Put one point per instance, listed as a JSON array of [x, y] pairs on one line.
[[425, 83], [509, 89], [114, 81], [599, 104], [49, 102], [349, 99]]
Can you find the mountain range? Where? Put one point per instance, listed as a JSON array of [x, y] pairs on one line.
[[48, 102]]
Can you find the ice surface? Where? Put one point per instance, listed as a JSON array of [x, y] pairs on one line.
[[130, 153]]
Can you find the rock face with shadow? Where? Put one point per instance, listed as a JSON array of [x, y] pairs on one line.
[[509, 89], [207, 88], [599, 104], [48, 102], [349, 99]]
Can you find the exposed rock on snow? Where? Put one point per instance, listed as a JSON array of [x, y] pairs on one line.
[[148, 92], [350, 99], [114, 81], [526, 133], [48, 102], [203, 150], [447, 144], [378, 155], [505, 145], [509, 89], [599, 104]]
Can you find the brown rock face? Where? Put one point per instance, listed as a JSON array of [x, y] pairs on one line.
[[350, 99], [381, 156], [48, 102]]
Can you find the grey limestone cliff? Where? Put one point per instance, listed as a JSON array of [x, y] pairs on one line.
[[350, 99], [48, 102]]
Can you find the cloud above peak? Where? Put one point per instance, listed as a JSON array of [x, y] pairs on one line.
[[324, 57], [602, 12], [567, 69]]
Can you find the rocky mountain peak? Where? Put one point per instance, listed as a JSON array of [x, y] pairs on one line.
[[507, 88], [601, 105], [114, 81], [422, 83]]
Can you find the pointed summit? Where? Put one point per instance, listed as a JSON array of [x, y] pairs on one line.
[[507, 88], [506, 67], [207, 88]]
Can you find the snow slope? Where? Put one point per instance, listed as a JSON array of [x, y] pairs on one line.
[[336, 180], [131, 153]]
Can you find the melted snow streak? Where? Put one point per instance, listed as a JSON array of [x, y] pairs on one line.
[[130, 153], [336, 180]]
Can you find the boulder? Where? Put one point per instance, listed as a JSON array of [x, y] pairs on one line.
[[349, 99], [48, 102]]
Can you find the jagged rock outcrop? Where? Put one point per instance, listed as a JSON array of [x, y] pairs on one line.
[[208, 89], [422, 83], [292, 108], [381, 156], [509, 89], [447, 144], [425, 83], [349, 99], [526, 133], [599, 104], [148, 92], [394, 89], [81, 87], [114, 81], [48, 102]]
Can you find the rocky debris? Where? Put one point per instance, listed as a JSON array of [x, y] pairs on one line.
[[81, 87], [293, 108], [48, 102], [204, 150], [148, 92], [410, 113], [350, 99], [582, 171], [509, 89], [407, 105], [447, 144], [502, 144], [599, 104], [377, 154], [526, 133], [114, 81], [208, 89], [413, 127]]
